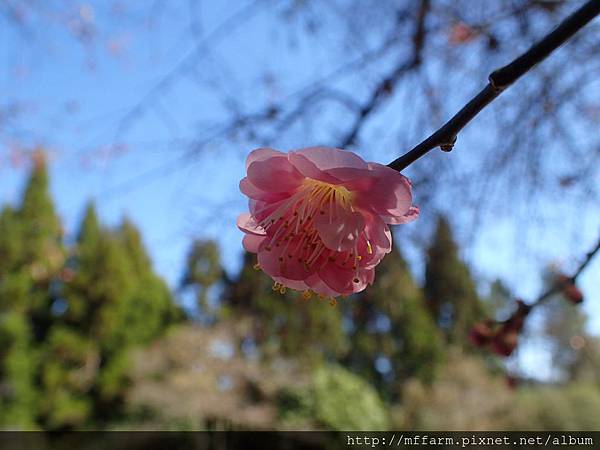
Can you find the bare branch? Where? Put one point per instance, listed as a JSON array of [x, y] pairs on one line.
[[570, 280], [388, 83], [499, 81]]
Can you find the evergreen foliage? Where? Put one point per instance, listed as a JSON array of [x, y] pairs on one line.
[[113, 302], [344, 401], [32, 255], [337, 399], [203, 271], [449, 287], [71, 317], [68, 323], [393, 337]]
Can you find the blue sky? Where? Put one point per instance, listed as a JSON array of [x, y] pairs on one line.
[[76, 96]]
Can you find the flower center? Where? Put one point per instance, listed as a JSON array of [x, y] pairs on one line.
[[327, 195], [291, 224]]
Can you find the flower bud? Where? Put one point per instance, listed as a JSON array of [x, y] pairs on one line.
[[573, 294], [481, 334], [505, 342]]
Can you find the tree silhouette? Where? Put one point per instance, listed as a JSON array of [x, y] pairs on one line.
[[449, 288], [393, 337]]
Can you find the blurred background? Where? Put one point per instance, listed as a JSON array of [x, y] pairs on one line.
[[126, 301]]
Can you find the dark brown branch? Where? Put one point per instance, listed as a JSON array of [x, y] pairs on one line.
[[386, 86], [503, 336], [499, 81], [559, 286]]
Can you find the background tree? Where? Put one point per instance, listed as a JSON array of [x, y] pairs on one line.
[[284, 322], [500, 300], [18, 359], [392, 334], [371, 76], [152, 307], [586, 367], [563, 329], [32, 254], [450, 291], [203, 271], [41, 250], [113, 302]]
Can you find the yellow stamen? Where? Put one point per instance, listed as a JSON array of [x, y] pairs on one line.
[[297, 236]]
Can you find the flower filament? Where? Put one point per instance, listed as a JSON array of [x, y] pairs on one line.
[[292, 222]]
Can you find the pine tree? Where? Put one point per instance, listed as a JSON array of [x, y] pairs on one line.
[[202, 272], [18, 394], [42, 252], [393, 337], [18, 360], [449, 288], [32, 254], [152, 307], [113, 302]]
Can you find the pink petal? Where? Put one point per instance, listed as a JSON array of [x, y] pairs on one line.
[[251, 191], [261, 209], [328, 164], [347, 174], [342, 280], [326, 158], [378, 232], [309, 169], [260, 154], [278, 263], [268, 262], [299, 285], [412, 214], [251, 242], [319, 287], [247, 224], [274, 174], [340, 233], [390, 195]]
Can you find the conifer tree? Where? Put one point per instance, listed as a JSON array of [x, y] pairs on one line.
[[18, 358], [113, 301], [203, 271], [449, 288], [42, 253], [32, 255], [76, 350], [152, 307], [393, 337]]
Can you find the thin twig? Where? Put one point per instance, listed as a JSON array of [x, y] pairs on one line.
[[499, 81], [386, 86], [557, 287]]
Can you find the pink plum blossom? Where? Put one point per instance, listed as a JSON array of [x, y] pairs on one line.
[[319, 217]]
